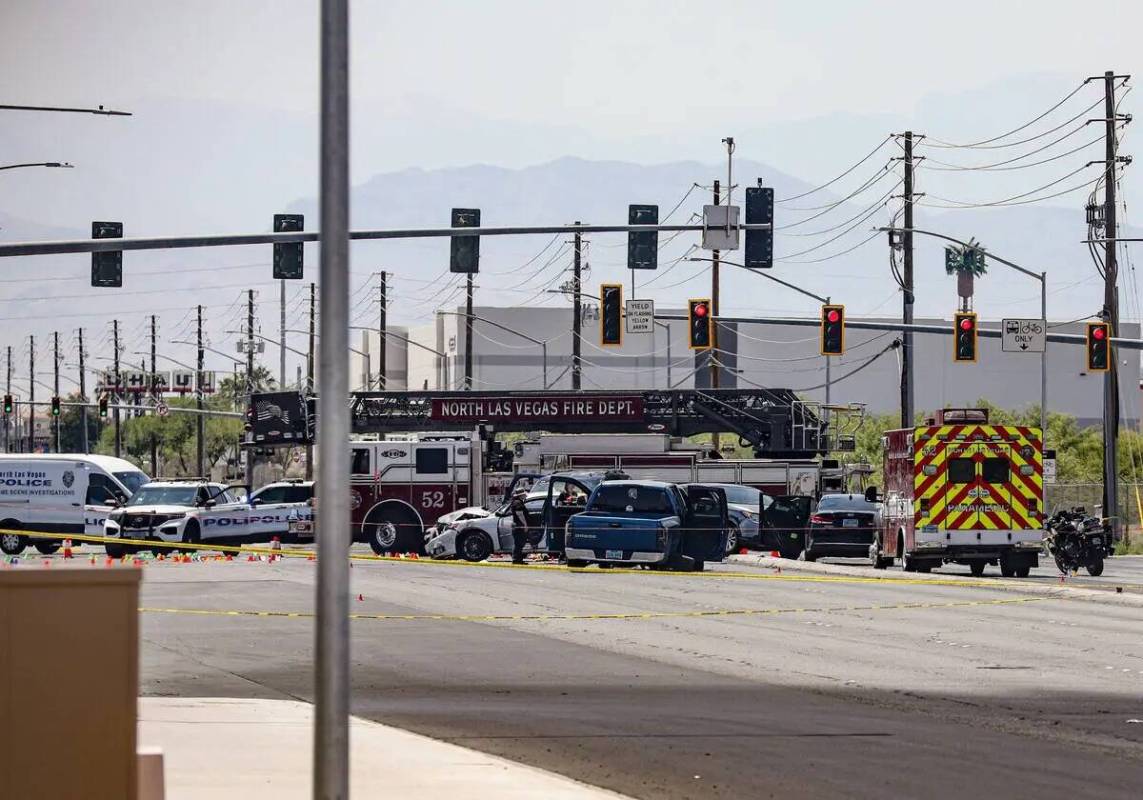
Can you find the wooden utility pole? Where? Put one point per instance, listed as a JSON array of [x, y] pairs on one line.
[[31, 394], [310, 375], [382, 339], [1110, 310], [56, 385], [907, 396], [200, 423], [115, 392], [713, 353], [85, 436], [577, 309], [468, 335]]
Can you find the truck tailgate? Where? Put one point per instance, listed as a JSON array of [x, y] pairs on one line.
[[589, 531]]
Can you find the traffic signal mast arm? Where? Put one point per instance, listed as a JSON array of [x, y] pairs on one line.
[[229, 240], [984, 333]]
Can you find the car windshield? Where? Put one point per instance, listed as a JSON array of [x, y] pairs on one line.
[[164, 496], [625, 499], [845, 502], [742, 495], [132, 481]]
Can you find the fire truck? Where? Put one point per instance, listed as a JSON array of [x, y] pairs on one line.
[[961, 490], [404, 478]]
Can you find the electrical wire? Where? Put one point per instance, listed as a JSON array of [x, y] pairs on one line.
[[1014, 200], [986, 144], [881, 173], [829, 183], [877, 203]]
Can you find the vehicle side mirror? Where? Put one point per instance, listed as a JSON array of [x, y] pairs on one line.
[[257, 501], [871, 495], [209, 504]]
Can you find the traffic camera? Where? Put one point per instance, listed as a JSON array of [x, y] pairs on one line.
[[611, 314], [964, 336], [833, 330], [1098, 347], [698, 315]]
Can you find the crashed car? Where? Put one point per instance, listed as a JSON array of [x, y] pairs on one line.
[[477, 538]]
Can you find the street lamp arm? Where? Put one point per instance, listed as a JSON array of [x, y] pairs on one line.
[[495, 325], [991, 255], [405, 339], [765, 275], [101, 111], [61, 164]]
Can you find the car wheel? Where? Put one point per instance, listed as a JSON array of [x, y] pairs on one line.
[[732, 539], [808, 554], [1005, 570], [576, 563], [474, 546], [977, 569], [699, 565], [11, 543], [907, 563], [1024, 572], [47, 548], [114, 550], [191, 535]]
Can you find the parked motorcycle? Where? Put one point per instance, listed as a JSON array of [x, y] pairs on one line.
[[1077, 540]]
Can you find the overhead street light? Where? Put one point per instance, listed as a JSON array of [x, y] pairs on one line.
[[100, 111]]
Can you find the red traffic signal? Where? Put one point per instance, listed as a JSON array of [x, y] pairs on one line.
[[1098, 347], [964, 337], [699, 322], [833, 330]]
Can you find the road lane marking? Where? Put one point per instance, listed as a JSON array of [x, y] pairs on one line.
[[624, 615]]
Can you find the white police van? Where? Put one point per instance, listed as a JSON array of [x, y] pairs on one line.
[[202, 512], [59, 493]]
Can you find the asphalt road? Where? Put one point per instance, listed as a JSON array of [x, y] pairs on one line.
[[680, 686]]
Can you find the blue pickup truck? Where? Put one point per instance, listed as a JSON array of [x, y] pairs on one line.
[[649, 523]]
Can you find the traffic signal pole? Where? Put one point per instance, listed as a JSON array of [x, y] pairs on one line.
[[468, 334], [115, 392], [382, 324], [83, 397], [200, 422], [56, 384]]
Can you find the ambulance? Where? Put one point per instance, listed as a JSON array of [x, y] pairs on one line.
[[961, 490]]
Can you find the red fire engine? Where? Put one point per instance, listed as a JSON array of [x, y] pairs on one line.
[[960, 490]]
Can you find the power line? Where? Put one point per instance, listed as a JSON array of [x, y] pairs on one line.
[[1028, 124], [829, 183]]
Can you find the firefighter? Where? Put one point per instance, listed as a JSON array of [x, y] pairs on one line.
[[519, 524]]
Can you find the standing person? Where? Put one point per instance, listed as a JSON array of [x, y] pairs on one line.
[[519, 524]]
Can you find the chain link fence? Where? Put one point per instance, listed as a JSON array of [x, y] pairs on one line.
[[1090, 496]]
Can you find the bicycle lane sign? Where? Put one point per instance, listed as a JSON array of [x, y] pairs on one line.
[[1024, 335]]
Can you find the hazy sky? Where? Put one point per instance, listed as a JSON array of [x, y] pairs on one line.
[[226, 91]]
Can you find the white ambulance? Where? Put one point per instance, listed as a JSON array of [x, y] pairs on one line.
[[60, 493]]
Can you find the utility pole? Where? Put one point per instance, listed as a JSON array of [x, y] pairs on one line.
[[249, 377], [8, 419], [115, 393], [1110, 310], [382, 348], [907, 410], [577, 311], [713, 353], [83, 396], [31, 394], [310, 376], [282, 341], [154, 396], [468, 336], [56, 383], [200, 423]]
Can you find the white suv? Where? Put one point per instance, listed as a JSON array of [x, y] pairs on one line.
[[200, 511]]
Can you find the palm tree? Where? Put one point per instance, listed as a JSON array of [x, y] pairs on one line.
[[233, 387], [967, 263]]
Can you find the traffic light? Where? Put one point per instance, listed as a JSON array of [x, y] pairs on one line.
[[759, 250], [288, 257], [642, 246], [107, 266], [8, 405], [103, 406], [698, 315], [964, 336], [833, 330], [611, 314], [464, 255], [55, 406], [1098, 347], [250, 416]]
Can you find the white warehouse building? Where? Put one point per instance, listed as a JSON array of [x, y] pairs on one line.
[[508, 355]]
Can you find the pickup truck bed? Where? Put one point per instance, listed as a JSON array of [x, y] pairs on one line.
[[602, 537]]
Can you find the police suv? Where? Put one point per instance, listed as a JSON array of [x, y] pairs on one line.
[[194, 511]]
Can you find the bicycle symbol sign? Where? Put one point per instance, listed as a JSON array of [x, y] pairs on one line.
[[1024, 335]]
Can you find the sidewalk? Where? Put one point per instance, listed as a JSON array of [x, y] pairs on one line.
[[261, 750]]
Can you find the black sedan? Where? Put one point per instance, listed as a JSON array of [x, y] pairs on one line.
[[843, 525]]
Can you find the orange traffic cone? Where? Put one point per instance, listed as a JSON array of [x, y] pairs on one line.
[[275, 549], [250, 557], [360, 598], [67, 548], [775, 554]]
